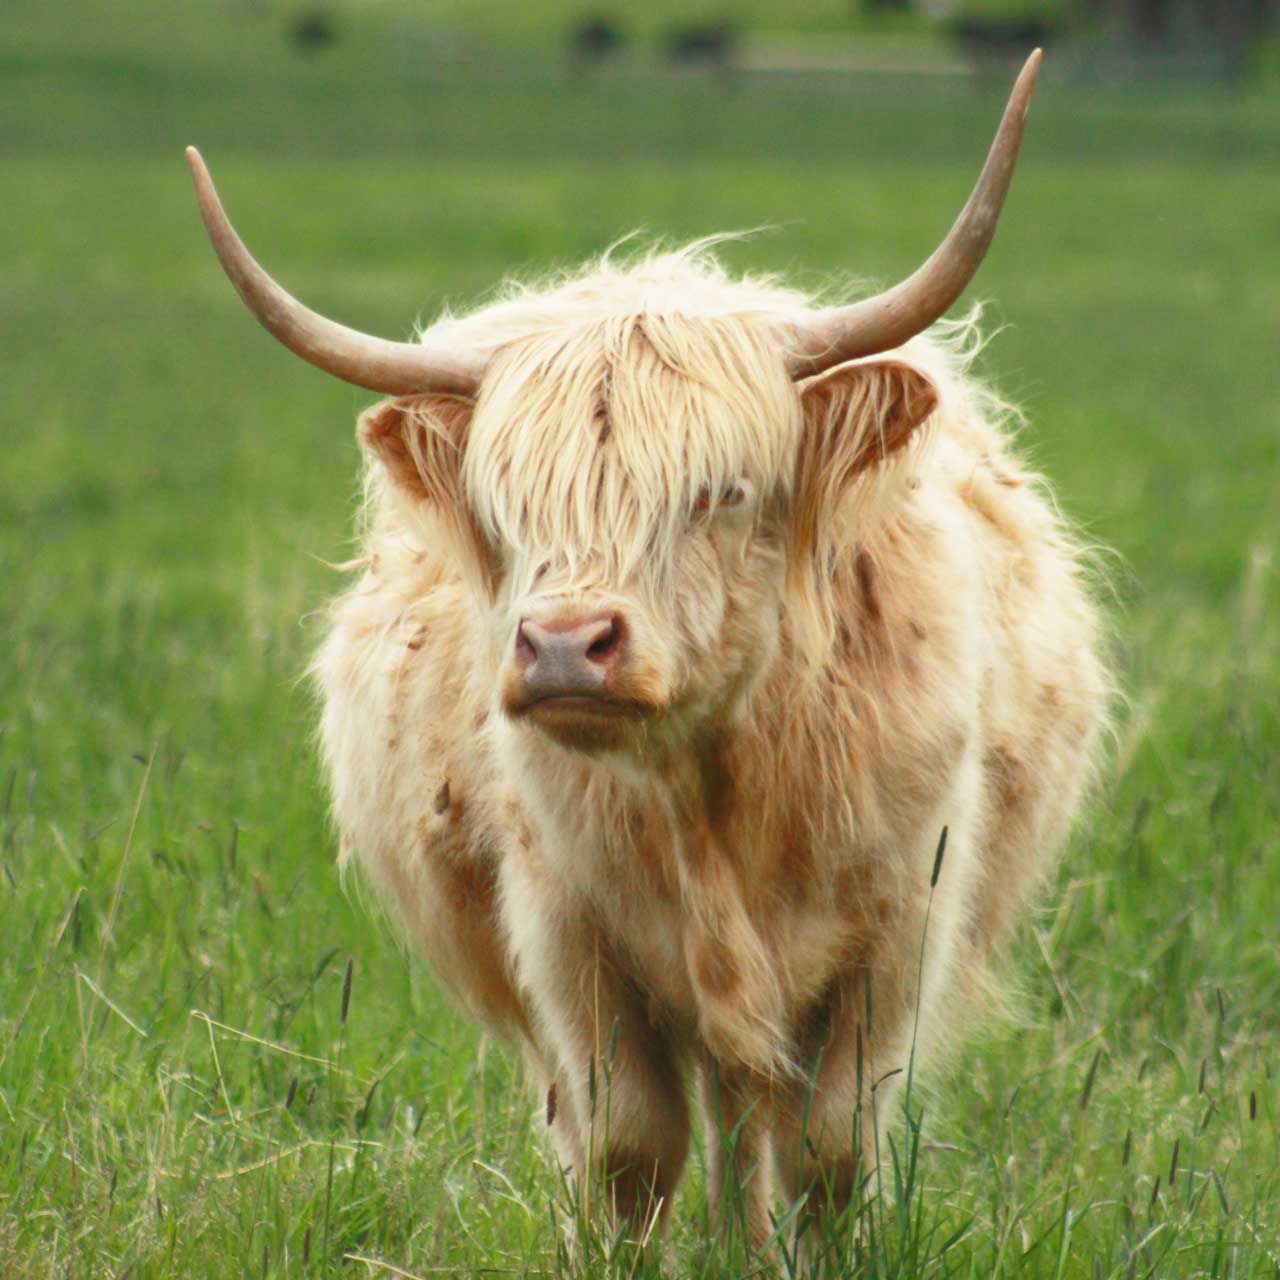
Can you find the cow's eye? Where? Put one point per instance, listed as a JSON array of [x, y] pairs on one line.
[[733, 495]]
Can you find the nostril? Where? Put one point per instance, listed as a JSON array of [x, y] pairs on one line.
[[526, 650], [607, 642]]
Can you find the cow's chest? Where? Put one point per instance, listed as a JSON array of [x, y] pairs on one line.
[[622, 856], [672, 922]]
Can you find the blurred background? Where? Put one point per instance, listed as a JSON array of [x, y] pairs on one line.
[[179, 1085]]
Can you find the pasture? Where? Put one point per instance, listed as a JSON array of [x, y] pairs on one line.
[[214, 1059]]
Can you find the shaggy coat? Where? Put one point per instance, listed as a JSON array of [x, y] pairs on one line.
[[845, 616]]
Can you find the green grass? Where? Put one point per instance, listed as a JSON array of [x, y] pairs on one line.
[[172, 482]]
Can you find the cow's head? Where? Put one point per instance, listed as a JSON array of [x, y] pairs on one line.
[[634, 470], [632, 499]]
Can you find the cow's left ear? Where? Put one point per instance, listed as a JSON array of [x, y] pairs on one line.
[[856, 417], [420, 440]]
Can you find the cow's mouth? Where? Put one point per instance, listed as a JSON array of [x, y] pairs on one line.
[[585, 722], [585, 704]]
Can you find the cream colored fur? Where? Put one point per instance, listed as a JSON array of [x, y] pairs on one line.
[[860, 619]]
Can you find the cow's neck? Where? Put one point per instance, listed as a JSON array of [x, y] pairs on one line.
[[732, 976]]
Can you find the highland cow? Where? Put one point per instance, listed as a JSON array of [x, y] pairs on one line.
[[691, 612]]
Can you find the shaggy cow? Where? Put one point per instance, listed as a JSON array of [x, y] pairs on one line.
[[689, 619]]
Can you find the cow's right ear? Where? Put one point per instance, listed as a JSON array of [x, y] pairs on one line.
[[420, 440]]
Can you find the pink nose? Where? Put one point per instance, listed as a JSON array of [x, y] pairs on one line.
[[569, 656]]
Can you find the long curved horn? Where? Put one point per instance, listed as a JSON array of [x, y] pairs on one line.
[[876, 324], [397, 368]]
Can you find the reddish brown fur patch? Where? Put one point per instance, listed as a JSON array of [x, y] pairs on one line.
[[653, 1012], [717, 791], [844, 640], [649, 834], [847, 885], [998, 511], [1009, 775], [471, 886], [794, 865], [869, 914], [865, 570], [715, 971], [516, 823], [443, 798]]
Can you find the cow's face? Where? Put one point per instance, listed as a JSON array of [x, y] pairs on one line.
[[597, 657], [634, 505]]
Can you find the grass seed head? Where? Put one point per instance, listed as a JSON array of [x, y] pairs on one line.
[[346, 990], [937, 859], [1089, 1079], [1208, 1115], [1222, 1195], [857, 1043]]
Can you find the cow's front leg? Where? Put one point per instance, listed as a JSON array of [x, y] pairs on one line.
[[825, 1124], [736, 1122], [617, 1072], [553, 1102]]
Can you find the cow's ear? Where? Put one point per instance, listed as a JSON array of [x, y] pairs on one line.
[[420, 440], [856, 417]]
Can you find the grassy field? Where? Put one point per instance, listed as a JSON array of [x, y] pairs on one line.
[[180, 1094]]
